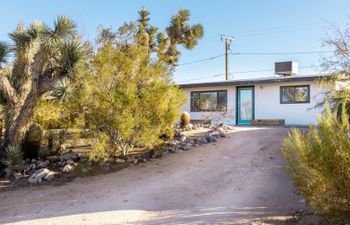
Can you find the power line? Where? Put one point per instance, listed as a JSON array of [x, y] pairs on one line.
[[201, 60], [199, 78], [238, 72], [255, 53], [280, 53], [266, 70]]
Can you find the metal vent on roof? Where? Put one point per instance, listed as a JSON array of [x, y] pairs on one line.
[[286, 68]]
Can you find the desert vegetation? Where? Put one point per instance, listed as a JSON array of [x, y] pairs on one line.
[[318, 158], [116, 95]]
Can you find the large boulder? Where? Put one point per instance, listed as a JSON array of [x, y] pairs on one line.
[[41, 174]]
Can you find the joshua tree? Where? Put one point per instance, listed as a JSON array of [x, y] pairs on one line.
[[41, 56], [179, 32]]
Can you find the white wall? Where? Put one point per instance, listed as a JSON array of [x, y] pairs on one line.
[[231, 102], [267, 104]]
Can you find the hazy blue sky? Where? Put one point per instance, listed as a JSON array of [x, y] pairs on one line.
[[258, 26]]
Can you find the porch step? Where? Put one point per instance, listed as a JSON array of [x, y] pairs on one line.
[[268, 122]]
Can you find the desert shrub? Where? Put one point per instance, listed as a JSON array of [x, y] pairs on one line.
[[49, 115], [62, 136], [44, 153], [32, 141], [319, 162], [13, 156], [185, 120], [55, 139], [102, 148], [51, 139], [134, 101]]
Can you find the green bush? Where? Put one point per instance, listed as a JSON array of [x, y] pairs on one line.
[[13, 156], [319, 163], [55, 139], [44, 153]]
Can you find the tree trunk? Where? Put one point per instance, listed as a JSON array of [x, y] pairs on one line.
[[18, 119]]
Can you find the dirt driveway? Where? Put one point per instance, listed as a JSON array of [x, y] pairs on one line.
[[238, 180]]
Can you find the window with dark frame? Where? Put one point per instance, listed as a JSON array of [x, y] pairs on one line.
[[208, 101], [295, 94]]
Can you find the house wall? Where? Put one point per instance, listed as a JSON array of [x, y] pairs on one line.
[[267, 104], [228, 117]]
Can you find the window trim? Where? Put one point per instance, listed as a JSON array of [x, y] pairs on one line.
[[295, 86], [217, 100]]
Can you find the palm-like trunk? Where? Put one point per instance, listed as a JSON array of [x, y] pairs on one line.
[[43, 55], [18, 118]]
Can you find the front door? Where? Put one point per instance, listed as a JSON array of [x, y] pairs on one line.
[[245, 105]]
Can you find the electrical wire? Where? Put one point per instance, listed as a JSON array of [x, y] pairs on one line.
[[199, 78], [201, 60], [254, 53], [280, 53], [238, 72]]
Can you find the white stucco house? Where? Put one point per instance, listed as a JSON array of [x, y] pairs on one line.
[[289, 98]]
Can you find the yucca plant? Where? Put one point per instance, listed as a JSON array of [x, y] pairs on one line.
[[319, 162], [42, 55], [13, 156]]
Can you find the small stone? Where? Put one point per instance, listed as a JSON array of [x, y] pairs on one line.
[[215, 134], [17, 176], [131, 159], [70, 155], [84, 170], [302, 201], [53, 158], [50, 175], [42, 164], [67, 168], [203, 141], [222, 132], [230, 128], [135, 161], [120, 160], [211, 138], [33, 160], [187, 146], [70, 161], [146, 155], [183, 137]]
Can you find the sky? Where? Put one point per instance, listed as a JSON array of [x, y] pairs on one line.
[[258, 26]]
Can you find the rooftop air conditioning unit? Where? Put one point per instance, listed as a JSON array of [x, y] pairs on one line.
[[286, 68]]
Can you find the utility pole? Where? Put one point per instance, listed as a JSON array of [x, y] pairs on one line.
[[228, 42]]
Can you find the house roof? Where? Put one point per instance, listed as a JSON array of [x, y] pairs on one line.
[[264, 80]]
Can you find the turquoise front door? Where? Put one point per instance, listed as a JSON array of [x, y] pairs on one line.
[[245, 105]]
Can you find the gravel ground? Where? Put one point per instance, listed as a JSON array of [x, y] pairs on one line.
[[238, 180]]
